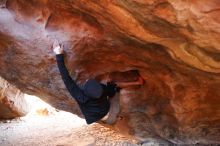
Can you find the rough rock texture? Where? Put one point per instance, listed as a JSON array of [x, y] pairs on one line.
[[173, 44], [12, 101]]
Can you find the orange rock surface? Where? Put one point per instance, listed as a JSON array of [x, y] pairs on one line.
[[173, 45]]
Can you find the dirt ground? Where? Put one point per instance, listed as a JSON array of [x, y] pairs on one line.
[[58, 129]]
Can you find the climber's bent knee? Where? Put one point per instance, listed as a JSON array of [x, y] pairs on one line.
[[114, 110]]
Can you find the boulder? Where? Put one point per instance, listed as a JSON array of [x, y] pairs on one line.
[[173, 45]]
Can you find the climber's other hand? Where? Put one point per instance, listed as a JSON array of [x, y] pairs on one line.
[[57, 49]]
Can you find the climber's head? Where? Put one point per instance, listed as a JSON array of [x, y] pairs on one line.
[[94, 89]]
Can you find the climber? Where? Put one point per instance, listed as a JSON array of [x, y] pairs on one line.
[[97, 101]]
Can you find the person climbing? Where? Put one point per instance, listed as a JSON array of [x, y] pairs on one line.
[[97, 101]]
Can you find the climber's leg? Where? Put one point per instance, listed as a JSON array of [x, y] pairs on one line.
[[114, 110]]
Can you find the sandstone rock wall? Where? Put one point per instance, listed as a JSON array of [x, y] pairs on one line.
[[12, 101], [174, 45]]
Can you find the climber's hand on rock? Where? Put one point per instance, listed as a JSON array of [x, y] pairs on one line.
[[57, 49]]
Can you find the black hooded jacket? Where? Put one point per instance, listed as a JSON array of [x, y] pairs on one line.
[[92, 109]]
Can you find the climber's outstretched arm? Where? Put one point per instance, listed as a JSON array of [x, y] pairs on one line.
[[71, 86], [140, 81]]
